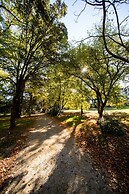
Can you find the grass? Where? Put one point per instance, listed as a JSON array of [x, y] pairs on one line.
[[11, 140], [124, 109], [71, 119]]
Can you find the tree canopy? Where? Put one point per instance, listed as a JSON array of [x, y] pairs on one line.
[[28, 47], [97, 70]]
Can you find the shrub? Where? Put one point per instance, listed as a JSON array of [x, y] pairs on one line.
[[54, 111], [112, 127]]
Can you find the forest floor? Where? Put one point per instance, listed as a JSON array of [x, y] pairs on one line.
[[57, 159]]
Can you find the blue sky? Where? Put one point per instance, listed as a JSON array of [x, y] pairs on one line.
[[77, 28]]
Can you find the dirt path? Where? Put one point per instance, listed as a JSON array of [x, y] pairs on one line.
[[52, 164]]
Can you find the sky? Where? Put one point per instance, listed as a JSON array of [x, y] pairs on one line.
[[79, 26]]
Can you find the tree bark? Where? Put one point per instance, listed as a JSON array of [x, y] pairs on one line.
[[13, 113], [81, 110], [100, 105], [100, 119], [19, 97], [17, 103], [30, 104]]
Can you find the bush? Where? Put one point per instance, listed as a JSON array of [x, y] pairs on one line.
[[54, 111], [112, 127]]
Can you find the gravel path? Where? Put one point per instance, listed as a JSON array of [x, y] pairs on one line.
[[53, 164]]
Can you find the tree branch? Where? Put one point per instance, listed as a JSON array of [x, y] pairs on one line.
[[104, 38], [3, 7]]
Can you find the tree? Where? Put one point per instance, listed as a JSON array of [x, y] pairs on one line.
[[119, 34], [57, 88], [33, 96], [117, 99], [34, 45], [99, 72]]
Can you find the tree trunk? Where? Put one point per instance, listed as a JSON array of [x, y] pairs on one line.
[[30, 104], [18, 106], [19, 96], [100, 112], [100, 118], [13, 113], [17, 102], [81, 110], [100, 105]]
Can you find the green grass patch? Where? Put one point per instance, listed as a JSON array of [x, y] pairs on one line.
[[112, 109], [72, 119]]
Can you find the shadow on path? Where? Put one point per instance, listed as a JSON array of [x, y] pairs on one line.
[[52, 164], [73, 174]]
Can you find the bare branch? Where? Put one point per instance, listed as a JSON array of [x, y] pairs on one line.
[[118, 24], [74, 2], [104, 38], [95, 3], [124, 19], [81, 12]]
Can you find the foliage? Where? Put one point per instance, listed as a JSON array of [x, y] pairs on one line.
[[30, 46], [57, 87], [62, 89], [54, 110], [5, 101], [112, 127], [34, 97], [98, 72], [3, 74], [43, 71]]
